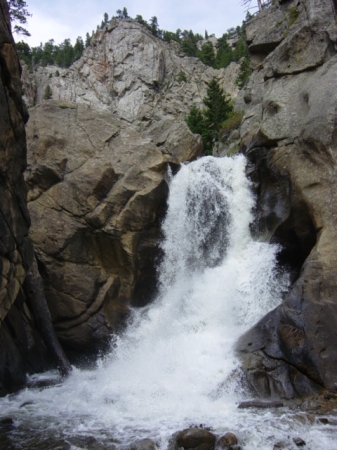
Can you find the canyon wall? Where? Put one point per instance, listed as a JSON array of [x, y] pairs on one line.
[[27, 342], [289, 136], [98, 158]]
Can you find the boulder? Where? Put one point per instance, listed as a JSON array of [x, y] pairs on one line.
[[144, 444], [227, 441], [193, 438], [288, 134]]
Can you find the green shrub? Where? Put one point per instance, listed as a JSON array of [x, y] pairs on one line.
[[232, 122], [182, 77], [66, 105], [293, 15], [48, 93], [244, 73]]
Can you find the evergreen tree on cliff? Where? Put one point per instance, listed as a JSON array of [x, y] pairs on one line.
[[19, 13], [208, 122], [218, 106]]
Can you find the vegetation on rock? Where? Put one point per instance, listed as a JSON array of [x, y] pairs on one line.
[[48, 93], [208, 122], [230, 47], [19, 13]]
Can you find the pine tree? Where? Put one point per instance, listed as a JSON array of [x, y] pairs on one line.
[[106, 18], [19, 13], [189, 47], [24, 52], [195, 120], [78, 48], [224, 54], [208, 122], [218, 106], [207, 54], [154, 26], [125, 13], [244, 72], [48, 93], [87, 40]]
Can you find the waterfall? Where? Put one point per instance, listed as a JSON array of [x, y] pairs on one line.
[[175, 365]]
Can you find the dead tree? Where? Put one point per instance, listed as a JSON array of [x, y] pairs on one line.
[[248, 3]]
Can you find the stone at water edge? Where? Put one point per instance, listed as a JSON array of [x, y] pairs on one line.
[[299, 442], [228, 441], [6, 422], [260, 404], [193, 438], [144, 444]]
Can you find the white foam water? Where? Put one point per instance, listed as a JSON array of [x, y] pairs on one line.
[[175, 364]]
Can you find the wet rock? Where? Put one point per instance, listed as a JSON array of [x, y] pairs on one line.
[[193, 438], [291, 147], [299, 442], [62, 446], [6, 423], [23, 405], [323, 420], [227, 441], [260, 404], [305, 418], [144, 444], [330, 396], [88, 442]]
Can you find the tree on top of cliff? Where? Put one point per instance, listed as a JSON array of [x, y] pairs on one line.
[[122, 14], [19, 13], [207, 54]]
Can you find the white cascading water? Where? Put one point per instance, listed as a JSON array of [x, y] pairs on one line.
[[175, 364]]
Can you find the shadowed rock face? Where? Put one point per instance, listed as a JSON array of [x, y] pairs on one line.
[[98, 155], [289, 132], [24, 335]]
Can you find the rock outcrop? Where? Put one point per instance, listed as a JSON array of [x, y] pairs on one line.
[[24, 336], [289, 135], [98, 156]]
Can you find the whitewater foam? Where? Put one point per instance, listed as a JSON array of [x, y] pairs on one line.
[[175, 365]]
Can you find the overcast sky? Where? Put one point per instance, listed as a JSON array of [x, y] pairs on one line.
[[62, 19]]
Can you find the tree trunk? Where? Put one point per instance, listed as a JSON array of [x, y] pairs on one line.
[[36, 299]]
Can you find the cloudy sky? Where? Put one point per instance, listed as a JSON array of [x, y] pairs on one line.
[[61, 19]]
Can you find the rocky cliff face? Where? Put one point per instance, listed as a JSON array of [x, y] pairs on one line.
[[289, 134], [99, 152], [128, 71], [22, 344]]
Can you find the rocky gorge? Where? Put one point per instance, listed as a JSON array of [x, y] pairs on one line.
[[100, 153]]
